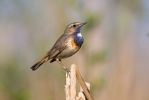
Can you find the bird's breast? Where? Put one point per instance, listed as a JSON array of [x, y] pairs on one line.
[[72, 46], [71, 49]]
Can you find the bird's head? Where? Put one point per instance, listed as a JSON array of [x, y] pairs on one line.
[[74, 27]]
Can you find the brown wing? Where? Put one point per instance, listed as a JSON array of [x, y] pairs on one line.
[[58, 47]]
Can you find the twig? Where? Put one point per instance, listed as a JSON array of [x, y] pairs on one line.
[[83, 85], [67, 87], [73, 83], [70, 87]]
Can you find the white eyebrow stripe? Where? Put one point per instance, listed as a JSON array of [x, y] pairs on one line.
[[74, 24], [70, 25]]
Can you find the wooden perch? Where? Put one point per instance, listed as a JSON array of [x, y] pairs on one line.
[[70, 87], [67, 88], [73, 84]]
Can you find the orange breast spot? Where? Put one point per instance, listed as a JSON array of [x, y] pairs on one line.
[[73, 44]]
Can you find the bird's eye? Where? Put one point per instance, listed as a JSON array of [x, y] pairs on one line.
[[74, 25]]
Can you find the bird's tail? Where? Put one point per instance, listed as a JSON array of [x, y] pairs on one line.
[[38, 64]]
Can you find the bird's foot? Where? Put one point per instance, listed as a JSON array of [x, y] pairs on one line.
[[67, 72]]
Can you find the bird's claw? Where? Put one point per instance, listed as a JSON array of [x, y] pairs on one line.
[[67, 72]]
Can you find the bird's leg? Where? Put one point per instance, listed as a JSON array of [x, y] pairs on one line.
[[66, 69]]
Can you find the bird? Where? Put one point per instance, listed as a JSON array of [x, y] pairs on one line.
[[66, 46]]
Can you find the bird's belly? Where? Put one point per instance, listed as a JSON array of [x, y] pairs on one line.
[[67, 53]]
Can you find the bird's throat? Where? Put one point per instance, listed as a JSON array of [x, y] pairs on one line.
[[78, 39]]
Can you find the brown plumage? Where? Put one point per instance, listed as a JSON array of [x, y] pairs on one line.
[[65, 46]]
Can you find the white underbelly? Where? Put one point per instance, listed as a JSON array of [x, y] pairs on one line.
[[67, 53]]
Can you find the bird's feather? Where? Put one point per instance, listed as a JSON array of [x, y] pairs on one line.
[[58, 47]]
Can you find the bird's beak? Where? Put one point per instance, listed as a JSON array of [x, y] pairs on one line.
[[83, 24]]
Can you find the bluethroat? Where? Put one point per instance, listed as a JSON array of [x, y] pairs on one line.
[[67, 45]]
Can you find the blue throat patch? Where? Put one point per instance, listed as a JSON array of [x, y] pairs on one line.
[[78, 39], [78, 30]]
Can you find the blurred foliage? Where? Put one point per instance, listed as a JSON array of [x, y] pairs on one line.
[[92, 20], [148, 34], [97, 57], [14, 83], [97, 83], [134, 5], [29, 28]]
